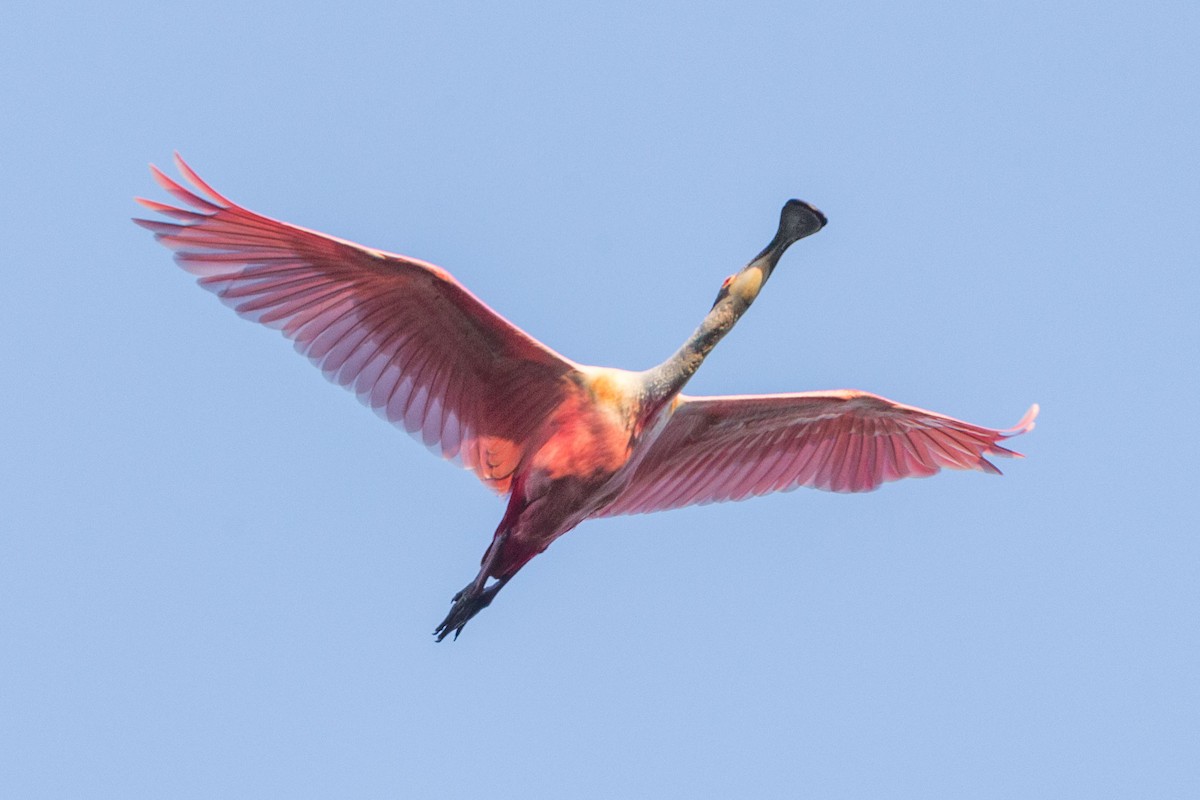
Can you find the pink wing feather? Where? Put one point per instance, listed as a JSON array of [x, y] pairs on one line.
[[728, 448], [406, 337]]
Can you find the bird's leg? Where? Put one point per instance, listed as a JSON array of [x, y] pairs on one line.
[[467, 603], [475, 596]]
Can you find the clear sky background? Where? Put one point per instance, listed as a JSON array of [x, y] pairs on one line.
[[219, 572]]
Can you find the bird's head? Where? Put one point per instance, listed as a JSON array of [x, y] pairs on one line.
[[797, 220]]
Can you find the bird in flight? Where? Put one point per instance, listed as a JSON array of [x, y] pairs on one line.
[[563, 441]]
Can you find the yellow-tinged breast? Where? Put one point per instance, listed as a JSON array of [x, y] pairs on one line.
[[613, 389], [590, 431], [747, 283]]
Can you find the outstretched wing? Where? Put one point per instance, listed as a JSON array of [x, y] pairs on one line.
[[728, 448], [406, 337]]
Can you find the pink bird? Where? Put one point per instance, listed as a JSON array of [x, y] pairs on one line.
[[564, 441]]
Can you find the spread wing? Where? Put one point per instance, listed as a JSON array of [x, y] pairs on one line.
[[404, 335], [728, 448]]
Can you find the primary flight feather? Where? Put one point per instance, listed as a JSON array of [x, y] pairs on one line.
[[565, 441]]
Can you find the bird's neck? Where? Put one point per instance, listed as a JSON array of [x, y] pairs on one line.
[[668, 379]]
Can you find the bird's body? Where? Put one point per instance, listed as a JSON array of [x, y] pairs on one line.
[[566, 442], [579, 458]]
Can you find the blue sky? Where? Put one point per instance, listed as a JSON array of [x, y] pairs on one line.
[[218, 572]]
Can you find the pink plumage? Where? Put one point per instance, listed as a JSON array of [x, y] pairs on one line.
[[407, 338], [565, 441], [729, 448]]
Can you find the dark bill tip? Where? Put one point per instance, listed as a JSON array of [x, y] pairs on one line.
[[799, 219]]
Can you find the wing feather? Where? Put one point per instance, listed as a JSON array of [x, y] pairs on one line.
[[402, 334], [722, 448]]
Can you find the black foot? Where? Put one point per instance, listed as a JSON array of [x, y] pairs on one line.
[[466, 604]]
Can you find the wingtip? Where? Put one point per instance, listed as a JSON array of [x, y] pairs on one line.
[[157, 227], [199, 182], [180, 164], [156, 170], [1026, 424], [989, 467]]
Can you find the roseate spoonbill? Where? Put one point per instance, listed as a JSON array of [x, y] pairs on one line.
[[565, 441]]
